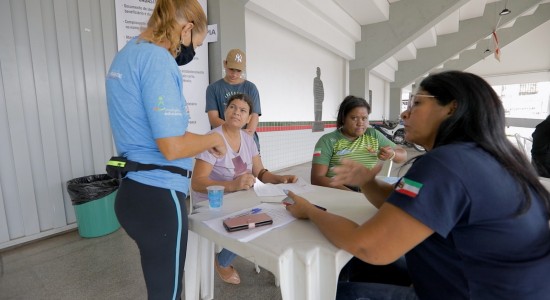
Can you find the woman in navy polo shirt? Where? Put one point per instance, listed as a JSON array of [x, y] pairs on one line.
[[470, 215]]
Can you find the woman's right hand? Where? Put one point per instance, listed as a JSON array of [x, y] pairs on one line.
[[350, 172], [244, 182]]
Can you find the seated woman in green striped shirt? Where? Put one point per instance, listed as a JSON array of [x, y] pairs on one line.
[[352, 139]]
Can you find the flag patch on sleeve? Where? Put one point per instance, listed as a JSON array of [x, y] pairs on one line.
[[317, 152], [408, 187]]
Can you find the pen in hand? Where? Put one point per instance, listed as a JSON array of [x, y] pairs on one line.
[[288, 201], [320, 207]]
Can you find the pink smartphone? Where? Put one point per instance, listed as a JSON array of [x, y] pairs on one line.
[[247, 222]]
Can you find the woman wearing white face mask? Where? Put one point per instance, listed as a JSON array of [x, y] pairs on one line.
[[148, 116]]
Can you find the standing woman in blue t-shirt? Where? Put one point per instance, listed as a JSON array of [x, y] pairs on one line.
[[149, 121], [471, 215]]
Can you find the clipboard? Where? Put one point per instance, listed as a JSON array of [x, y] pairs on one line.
[[248, 221]]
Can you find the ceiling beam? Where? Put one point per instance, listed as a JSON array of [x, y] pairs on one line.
[[506, 36], [408, 20], [325, 24], [450, 45]]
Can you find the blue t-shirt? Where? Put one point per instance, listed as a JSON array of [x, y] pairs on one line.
[[480, 249], [145, 103], [220, 91]]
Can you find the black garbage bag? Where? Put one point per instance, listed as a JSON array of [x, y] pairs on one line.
[[92, 187]]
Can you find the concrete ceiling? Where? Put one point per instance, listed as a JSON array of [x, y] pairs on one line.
[[403, 40]]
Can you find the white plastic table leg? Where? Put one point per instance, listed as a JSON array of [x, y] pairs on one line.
[[192, 267], [206, 249]]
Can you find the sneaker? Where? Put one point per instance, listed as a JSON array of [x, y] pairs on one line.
[[227, 274]]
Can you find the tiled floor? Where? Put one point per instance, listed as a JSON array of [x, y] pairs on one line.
[[70, 267]]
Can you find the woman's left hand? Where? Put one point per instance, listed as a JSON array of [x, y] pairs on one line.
[[300, 207], [386, 153], [353, 173]]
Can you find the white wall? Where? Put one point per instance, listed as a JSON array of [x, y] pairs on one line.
[[282, 149], [380, 97], [283, 64], [53, 118]]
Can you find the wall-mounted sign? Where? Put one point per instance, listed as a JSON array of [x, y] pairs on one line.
[[132, 17]]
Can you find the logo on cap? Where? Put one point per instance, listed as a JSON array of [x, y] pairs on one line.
[[236, 59]]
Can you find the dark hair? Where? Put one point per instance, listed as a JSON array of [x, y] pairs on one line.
[[347, 105], [243, 97], [479, 118]]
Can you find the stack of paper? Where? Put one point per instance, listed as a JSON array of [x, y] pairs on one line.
[[268, 189]]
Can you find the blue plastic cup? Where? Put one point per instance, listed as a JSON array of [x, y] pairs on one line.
[[215, 196]]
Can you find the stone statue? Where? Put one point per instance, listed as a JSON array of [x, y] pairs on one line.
[[318, 96]]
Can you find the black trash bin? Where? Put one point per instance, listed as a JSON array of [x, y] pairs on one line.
[[93, 199]]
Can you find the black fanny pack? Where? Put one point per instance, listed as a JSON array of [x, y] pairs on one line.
[[118, 166]]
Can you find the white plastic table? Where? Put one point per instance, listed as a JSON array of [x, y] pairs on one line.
[[304, 262]]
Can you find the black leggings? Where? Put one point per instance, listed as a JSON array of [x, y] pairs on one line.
[[156, 219]]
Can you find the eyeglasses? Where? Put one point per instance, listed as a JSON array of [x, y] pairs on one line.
[[412, 101]]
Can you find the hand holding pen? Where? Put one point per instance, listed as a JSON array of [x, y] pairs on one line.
[[289, 200]]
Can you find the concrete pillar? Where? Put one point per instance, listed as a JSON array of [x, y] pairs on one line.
[[395, 103], [230, 17], [359, 83]]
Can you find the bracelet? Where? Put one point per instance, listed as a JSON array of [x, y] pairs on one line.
[[261, 174], [392, 156]]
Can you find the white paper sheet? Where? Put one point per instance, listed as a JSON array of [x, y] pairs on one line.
[[277, 212], [270, 189]]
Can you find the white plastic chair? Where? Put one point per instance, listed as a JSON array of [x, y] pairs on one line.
[[524, 144]]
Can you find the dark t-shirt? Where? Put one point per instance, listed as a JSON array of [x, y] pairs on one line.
[[220, 91], [480, 248], [541, 138]]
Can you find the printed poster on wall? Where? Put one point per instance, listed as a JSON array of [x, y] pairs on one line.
[[131, 17]]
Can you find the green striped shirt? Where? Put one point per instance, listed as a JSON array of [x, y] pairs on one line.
[[334, 146]]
